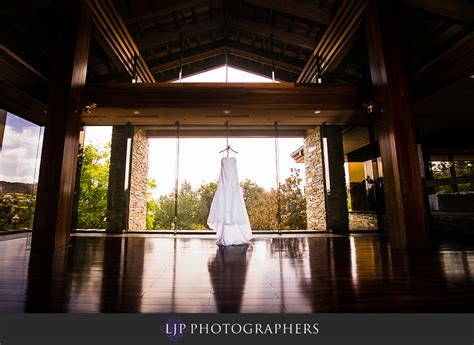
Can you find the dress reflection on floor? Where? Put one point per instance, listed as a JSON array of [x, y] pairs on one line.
[[157, 273]]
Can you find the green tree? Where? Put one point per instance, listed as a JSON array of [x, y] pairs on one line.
[[260, 204], [188, 210], [206, 193], [164, 215], [194, 206], [292, 203], [92, 205]]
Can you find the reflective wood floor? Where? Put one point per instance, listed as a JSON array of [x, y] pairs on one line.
[[272, 275]]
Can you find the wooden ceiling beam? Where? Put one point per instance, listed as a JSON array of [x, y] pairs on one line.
[[220, 47], [23, 90], [157, 39], [459, 10], [266, 30], [190, 30], [276, 96], [454, 64], [119, 44], [337, 35], [306, 10], [203, 104]]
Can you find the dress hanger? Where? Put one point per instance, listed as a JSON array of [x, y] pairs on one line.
[[228, 148]]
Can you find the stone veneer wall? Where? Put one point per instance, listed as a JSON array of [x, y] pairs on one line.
[[314, 189], [362, 221], [116, 195], [138, 181]]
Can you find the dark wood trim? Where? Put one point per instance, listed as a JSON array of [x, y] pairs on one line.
[[403, 189]]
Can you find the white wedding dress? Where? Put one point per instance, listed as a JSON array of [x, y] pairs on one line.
[[228, 215]]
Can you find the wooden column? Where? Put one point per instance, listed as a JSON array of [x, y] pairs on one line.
[[53, 212], [406, 212]]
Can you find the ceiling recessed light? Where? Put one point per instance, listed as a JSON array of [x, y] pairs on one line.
[[317, 111], [136, 112], [471, 76], [226, 111]]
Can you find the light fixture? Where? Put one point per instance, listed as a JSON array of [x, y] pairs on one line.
[[136, 112], [471, 76], [88, 107], [372, 107], [317, 112], [226, 111]]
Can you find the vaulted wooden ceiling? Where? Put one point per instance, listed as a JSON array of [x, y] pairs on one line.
[[203, 33], [297, 37]]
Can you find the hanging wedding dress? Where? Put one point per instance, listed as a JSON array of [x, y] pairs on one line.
[[228, 215]]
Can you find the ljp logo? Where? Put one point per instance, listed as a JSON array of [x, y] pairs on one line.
[[174, 328]]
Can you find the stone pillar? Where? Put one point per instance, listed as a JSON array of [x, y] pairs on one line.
[[314, 171], [117, 195], [138, 181], [337, 215], [326, 198]]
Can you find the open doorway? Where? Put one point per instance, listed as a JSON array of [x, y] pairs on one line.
[[197, 176]]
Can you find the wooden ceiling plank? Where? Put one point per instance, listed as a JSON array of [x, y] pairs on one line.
[[302, 10], [163, 38], [459, 10], [455, 63], [161, 8], [278, 34]]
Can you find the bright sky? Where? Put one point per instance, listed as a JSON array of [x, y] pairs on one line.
[[21, 147], [217, 75], [199, 158]]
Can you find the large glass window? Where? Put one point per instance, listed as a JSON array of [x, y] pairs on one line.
[[94, 178], [364, 178], [198, 174], [20, 154], [452, 166]]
